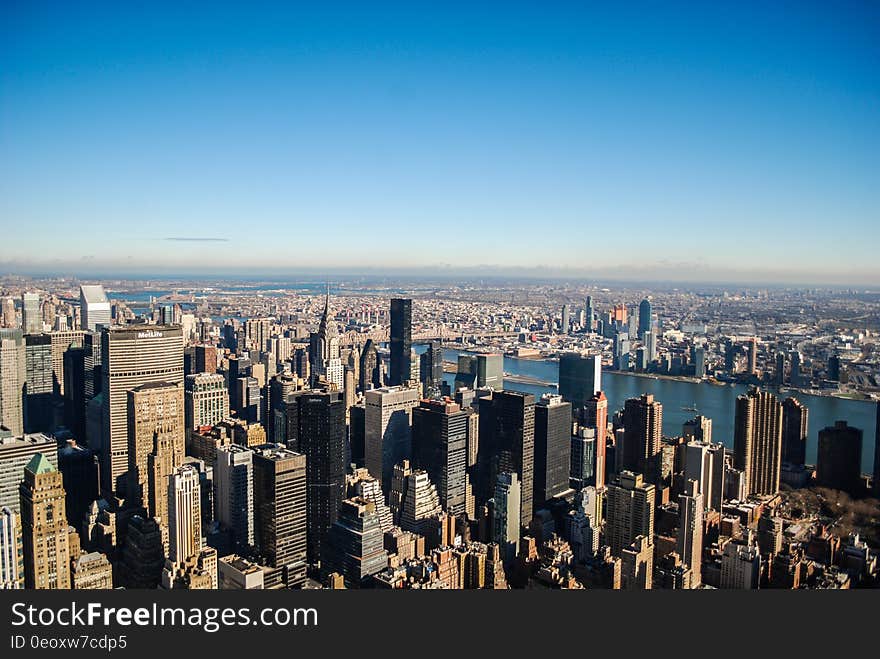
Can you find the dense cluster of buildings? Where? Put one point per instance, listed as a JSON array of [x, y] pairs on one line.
[[170, 449]]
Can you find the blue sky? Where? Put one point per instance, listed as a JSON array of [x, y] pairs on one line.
[[729, 141]]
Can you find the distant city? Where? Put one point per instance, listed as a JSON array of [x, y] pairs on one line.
[[437, 433]]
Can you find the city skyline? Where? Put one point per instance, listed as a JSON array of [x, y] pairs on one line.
[[700, 144]]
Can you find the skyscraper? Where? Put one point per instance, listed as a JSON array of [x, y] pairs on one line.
[[356, 542], [565, 325], [552, 448], [12, 380], [595, 415], [704, 464], [590, 313], [184, 515], [94, 307], [757, 441], [630, 511], [324, 349], [506, 515], [39, 384], [280, 510], [580, 377], [439, 446], [207, 400], [432, 368], [132, 356], [370, 375], [643, 427], [15, 453], [45, 535], [795, 424], [234, 482], [31, 318], [490, 370], [646, 323], [401, 341], [690, 530], [839, 463], [388, 435], [11, 551]]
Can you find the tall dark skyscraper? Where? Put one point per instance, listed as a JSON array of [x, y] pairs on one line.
[[645, 322], [431, 368], [38, 388], [507, 444], [439, 446], [552, 448], [839, 458], [370, 375], [401, 341], [642, 430], [321, 438], [795, 424], [757, 441], [580, 376]]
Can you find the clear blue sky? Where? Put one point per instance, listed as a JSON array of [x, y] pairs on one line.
[[723, 141]]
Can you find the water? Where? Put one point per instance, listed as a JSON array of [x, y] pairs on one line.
[[714, 401]]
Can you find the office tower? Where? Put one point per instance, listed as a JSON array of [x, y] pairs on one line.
[[646, 323], [321, 438], [595, 415], [155, 410], [92, 571], [132, 356], [439, 446], [431, 368], [234, 482], [44, 530], [698, 429], [552, 448], [357, 434], [741, 565], [833, 368], [795, 371], [620, 351], [280, 510], [326, 362], [643, 426], [565, 326], [7, 313], [689, 543], [580, 377], [637, 565], [753, 356], [466, 372], [400, 341], [74, 400], [795, 423], [490, 370], [11, 551], [12, 380], [94, 307], [207, 400], [236, 368], [15, 453], [281, 420], [839, 460], [876, 481], [388, 433], [650, 339], [38, 384], [370, 374], [699, 362], [506, 515], [757, 441], [507, 445], [704, 464], [31, 318], [184, 515], [630, 511], [582, 463], [590, 312], [81, 478], [584, 524], [143, 554], [249, 396], [355, 541], [62, 342], [415, 503], [368, 488], [206, 359]]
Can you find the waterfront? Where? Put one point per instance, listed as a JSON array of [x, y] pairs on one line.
[[714, 401]]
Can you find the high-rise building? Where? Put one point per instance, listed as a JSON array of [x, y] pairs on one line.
[[580, 377], [590, 313], [757, 441], [595, 415], [637, 564], [143, 554], [582, 463], [741, 565], [689, 543], [92, 571], [388, 430], [506, 515], [565, 325], [132, 356], [400, 341], [876, 481], [356, 545], [11, 550], [643, 427], [439, 446], [44, 530], [206, 359], [38, 384], [630, 511], [552, 448], [234, 483], [704, 464], [12, 380], [839, 463], [280, 510], [325, 361], [507, 445], [31, 317], [431, 368], [184, 515], [698, 429], [414, 499], [490, 370], [94, 307], [795, 424], [646, 322], [155, 410], [207, 400], [15, 453], [369, 372], [81, 477]]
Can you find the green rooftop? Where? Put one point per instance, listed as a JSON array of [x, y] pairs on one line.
[[39, 465]]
